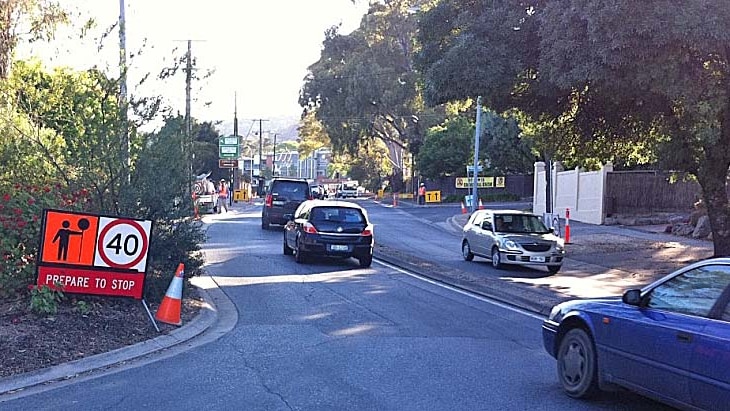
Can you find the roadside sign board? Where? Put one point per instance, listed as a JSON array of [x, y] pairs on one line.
[[228, 152], [482, 182], [227, 163], [433, 196], [229, 141], [93, 254], [228, 147]]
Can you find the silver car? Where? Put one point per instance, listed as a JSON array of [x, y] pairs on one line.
[[512, 237]]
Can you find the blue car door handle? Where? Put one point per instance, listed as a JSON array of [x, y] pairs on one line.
[[684, 337]]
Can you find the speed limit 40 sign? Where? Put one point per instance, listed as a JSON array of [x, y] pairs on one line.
[[122, 244], [93, 254]]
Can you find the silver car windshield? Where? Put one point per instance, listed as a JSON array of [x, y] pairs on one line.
[[519, 223]]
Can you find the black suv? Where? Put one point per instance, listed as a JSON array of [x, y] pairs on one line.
[[283, 197]]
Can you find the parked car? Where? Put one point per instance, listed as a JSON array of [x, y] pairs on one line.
[[283, 196], [669, 341], [318, 191], [511, 237], [329, 229]]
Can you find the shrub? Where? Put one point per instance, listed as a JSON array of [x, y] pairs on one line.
[[21, 209], [44, 299]]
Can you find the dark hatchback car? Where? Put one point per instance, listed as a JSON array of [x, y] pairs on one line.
[[329, 229], [669, 340], [283, 197]]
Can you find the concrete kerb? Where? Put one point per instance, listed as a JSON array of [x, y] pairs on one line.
[[205, 318]]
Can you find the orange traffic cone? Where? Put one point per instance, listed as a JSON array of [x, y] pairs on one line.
[[463, 208], [169, 310], [481, 206]]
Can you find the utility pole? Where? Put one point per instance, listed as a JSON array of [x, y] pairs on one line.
[[260, 190], [123, 131], [187, 140], [477, 135], [235, 114], [188, 119], [235, 133], [273, 162]]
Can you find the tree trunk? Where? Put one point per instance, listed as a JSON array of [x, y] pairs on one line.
[[396, 180], [713, 177], [7, 41]]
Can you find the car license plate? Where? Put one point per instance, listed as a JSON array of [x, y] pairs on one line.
[[338, 247], [537, 259]]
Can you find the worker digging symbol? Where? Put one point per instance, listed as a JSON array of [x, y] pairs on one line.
[[63, 235]]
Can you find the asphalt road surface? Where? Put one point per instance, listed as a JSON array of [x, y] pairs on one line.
[[330, 336]]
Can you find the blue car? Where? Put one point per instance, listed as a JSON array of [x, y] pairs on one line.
[[669, 341]]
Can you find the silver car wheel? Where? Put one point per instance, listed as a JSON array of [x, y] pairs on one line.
[[466, 251], [496, 258]]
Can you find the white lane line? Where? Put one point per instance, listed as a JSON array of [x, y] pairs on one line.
[[463, 292]]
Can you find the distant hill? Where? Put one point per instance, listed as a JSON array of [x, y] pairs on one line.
[[284, 127]]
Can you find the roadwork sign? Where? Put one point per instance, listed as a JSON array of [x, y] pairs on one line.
[[93, 254], [482, 182], [433, 196]]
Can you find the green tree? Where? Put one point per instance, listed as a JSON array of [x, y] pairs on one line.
[[505, 148], [79, 110], [312, 134], [30, 19], [657, 70], [626, 80], [448, 148], [364, 84], [493, 49], [371, 166]]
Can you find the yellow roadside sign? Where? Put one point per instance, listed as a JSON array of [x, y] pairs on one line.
[[482, 182], [433, 196]]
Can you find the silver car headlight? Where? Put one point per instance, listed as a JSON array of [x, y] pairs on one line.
[[510, 245]]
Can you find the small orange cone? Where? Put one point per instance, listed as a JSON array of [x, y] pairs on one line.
[[481, 206], [169, 310], [463, 209]]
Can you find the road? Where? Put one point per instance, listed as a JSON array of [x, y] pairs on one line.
[[331, 336]]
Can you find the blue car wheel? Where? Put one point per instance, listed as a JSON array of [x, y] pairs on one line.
[[577, 369]]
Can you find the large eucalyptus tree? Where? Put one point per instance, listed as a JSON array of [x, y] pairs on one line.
[[613, 79], [364, 85]]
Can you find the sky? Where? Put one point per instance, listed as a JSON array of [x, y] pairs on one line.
[[259, 49]]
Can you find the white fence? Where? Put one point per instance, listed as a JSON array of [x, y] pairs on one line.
[[580, 191]]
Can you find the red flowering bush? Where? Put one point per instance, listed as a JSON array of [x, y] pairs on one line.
[[21, 209]]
